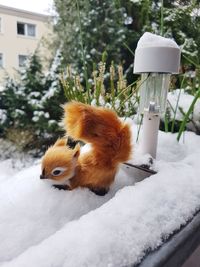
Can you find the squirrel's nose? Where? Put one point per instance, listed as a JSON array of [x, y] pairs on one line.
[[42, 177]]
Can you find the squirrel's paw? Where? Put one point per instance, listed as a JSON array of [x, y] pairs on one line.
[[61, 187], [99, 191]]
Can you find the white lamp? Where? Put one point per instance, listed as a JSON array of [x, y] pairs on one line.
[[156, 58]]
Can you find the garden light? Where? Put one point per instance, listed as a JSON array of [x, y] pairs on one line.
[[156, 58]]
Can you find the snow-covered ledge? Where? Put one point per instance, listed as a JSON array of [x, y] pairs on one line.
[[41, 226]]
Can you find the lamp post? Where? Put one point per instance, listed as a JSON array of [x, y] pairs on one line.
[[156, 58]]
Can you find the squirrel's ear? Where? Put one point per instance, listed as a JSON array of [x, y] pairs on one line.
[[76, 151], [61, 142]]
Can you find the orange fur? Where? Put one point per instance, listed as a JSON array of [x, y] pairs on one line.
[[110, 140]]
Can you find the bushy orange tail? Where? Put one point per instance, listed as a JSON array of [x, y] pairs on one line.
[[99, 126]]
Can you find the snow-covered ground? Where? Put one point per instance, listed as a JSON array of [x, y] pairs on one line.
[[181, 100], [42, 226]]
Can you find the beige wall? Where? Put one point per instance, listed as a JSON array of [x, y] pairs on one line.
[[12, 44]]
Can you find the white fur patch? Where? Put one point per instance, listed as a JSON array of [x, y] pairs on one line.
[[64, 181], [60, 169]]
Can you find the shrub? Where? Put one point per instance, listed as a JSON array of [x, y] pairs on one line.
[[112, 93], [33, 102]]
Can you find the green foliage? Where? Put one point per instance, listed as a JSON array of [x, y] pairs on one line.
[[33, 102], [106, 31], [88, 28], [114, 94], [187, 115], [93, 27], [182, 24]]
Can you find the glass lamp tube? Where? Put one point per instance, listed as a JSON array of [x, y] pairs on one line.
[[153, 92]]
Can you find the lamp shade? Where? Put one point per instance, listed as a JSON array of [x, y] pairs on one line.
[[156, 54]]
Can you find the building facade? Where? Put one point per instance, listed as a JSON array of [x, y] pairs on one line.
[[21, 33]]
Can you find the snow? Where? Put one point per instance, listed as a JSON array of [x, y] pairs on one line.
[[152, 40], [135, 1], [184, 101], [195, 12], [42, 226], [3, 116], [128, 20]]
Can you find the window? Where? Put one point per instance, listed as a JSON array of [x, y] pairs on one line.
[[1, 60], [21, 28], [30, 30], [22, 60], [26, 29]]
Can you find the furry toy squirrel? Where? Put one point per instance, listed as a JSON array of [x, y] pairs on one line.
[[110, 141]]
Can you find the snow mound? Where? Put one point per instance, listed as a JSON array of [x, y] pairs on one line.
[[42, 226], [184, 101], [152, 40]]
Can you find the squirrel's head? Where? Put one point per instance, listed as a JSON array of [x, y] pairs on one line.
[[59, 162]]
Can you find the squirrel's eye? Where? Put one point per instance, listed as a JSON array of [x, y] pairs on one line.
[[58, 171]]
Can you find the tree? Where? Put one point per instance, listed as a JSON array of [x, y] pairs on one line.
[[115, 27], [33, 102], [93, 28]]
